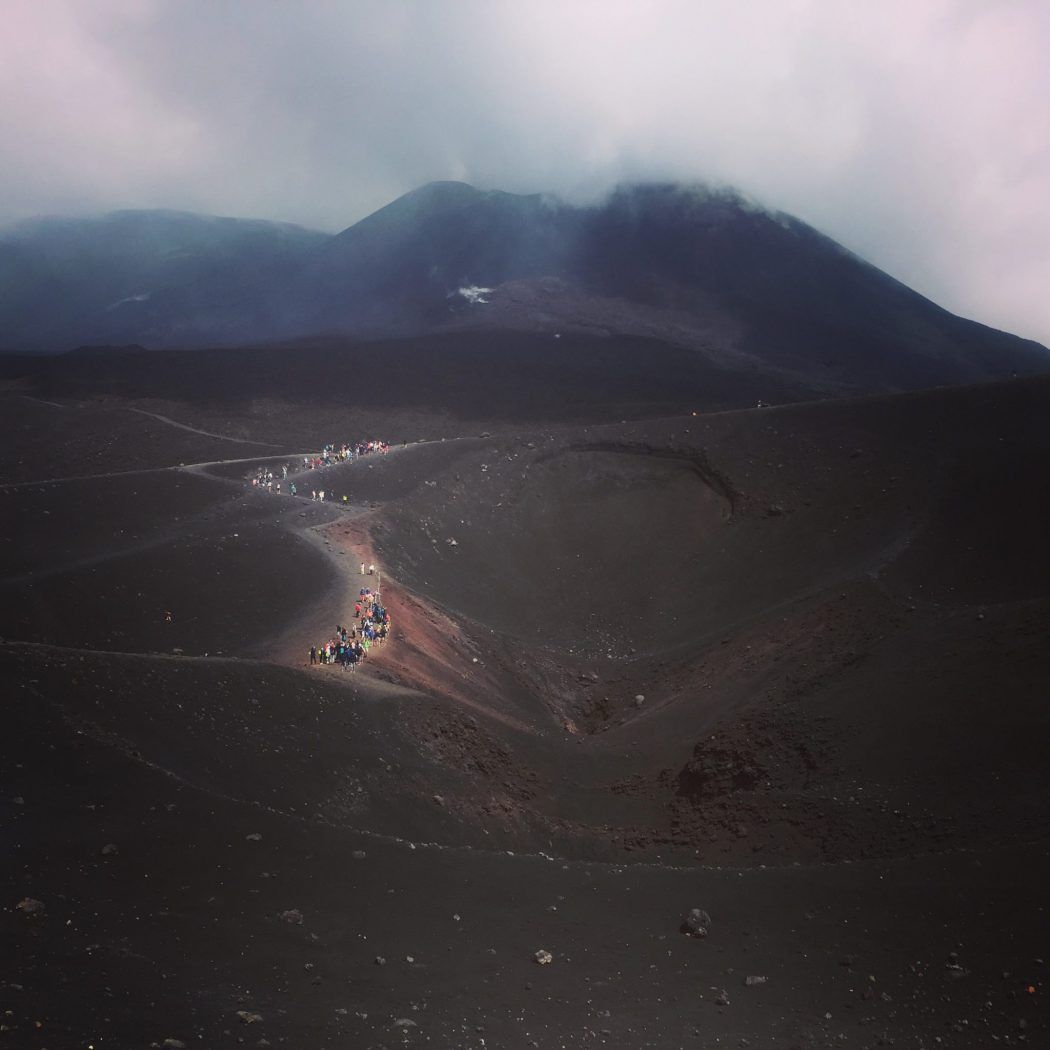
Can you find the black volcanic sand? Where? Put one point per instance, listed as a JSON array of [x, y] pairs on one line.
[[64, 439], [835, 614], [397, 389]]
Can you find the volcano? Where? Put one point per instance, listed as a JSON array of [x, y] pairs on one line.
[[697, 268], [698, 723]]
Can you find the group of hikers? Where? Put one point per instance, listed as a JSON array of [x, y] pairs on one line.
[[343, 453], [350, 645], [265, 478], [268, 480]]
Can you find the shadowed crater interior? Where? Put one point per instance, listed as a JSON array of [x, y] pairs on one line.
[[592, 551]]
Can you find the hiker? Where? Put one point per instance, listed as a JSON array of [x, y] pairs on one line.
[[371, 570], [313, 655]]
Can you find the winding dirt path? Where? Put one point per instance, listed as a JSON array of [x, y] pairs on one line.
[[195, 430]]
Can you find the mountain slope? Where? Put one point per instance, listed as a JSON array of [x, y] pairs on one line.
[[153, 277], [700, 269]]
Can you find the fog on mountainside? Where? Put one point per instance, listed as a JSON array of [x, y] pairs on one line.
[[697, 268]]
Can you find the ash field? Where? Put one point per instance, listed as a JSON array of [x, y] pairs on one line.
[[737, 713]]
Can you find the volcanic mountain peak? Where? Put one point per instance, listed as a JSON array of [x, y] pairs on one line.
[[697, 266]]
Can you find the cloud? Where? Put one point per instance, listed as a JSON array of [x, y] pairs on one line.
[[914, 131]]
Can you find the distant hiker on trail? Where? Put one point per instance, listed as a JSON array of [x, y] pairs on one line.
[[371, 570], [362, 568], [313, 654], [168, 618]]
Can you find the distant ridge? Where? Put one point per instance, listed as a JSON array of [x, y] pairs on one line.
[[698, 268]]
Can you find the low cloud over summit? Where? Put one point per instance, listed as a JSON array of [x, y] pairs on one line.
[[914, 133]]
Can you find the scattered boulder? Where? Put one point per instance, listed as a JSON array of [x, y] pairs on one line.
[[751, 981], [293, 916], [254, 837], [248, 1017], [380, 960], [722, 999], [30, 905], [639, 699], [173, 1044], [359, 854], [405, 1022], [697, 923], [543, 957], [110, 849]]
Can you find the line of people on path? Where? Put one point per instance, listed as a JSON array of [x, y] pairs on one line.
[[350, 645], [331, 454], [270, 480]]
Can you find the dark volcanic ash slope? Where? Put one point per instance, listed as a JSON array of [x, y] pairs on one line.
[[784, 588], [840, 753]]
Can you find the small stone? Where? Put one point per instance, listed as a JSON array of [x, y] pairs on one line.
[[254, 837], [380, 960], [247, 1017], [18, 800], [751, 981], [29, 905], [359, 854], [722, 999], [173, 1044], [109, 850], [697, 923], [543, 957], [293, 916], [405, 1022]]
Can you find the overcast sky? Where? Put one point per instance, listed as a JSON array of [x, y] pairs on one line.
[[916, 132]]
